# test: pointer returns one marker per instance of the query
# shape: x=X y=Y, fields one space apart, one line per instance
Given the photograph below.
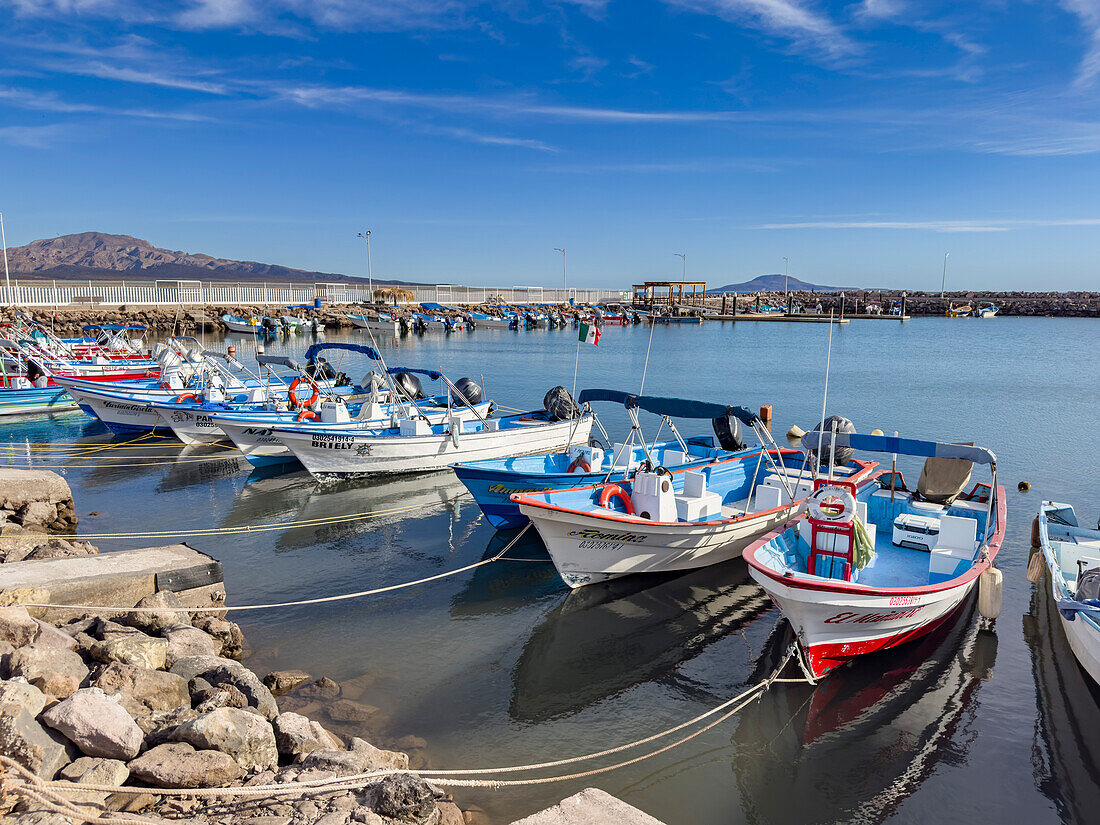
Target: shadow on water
x=874 y=731
x=605 y=639
x=1065 y=755
x=525 y=574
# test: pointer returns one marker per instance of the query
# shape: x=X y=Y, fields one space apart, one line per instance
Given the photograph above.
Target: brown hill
x=99 y=255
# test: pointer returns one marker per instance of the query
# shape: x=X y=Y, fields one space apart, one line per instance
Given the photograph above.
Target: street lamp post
x=564 y=274
x=370 y=275
x=943 y=283
x=786 y=275
x=683 y=256
x=7 y=278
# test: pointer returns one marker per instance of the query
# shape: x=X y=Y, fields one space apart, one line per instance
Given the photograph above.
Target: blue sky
x=862 y=140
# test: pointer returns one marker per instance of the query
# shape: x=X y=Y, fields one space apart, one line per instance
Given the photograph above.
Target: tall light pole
x=683 y=256
x=564 y=279
x=786 y=276
x=943 y=283
x=370 y=275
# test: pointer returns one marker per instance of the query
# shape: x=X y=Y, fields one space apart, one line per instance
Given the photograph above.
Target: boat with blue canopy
x=1072 y=556
x=869 y=567
x=661 y=520
x=492 y=482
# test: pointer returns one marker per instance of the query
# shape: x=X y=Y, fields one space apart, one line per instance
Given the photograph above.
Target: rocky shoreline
x=158 y=696
x=194 y=319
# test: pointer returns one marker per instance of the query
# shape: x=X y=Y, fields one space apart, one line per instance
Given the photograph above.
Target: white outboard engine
x=334 y=412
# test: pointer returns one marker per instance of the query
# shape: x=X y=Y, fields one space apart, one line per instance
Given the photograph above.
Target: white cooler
x=916 y=532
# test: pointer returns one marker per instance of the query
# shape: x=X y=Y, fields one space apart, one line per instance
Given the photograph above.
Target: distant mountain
x=99 y=255
x=775 y=283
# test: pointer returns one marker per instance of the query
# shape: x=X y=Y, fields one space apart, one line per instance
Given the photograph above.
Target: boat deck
x=894 y=566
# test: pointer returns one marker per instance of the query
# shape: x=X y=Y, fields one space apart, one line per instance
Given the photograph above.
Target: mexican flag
x=590 y=334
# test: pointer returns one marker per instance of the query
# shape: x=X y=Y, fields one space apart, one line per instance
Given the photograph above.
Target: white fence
x=91 y=293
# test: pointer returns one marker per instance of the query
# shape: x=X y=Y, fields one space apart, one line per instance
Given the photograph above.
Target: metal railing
x=76 y=294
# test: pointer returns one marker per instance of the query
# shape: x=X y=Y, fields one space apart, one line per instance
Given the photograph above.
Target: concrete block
x=590 y=807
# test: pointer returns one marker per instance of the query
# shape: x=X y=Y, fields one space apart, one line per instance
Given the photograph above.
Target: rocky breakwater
x=149 y=700
x=1039 y=304
x=33 y=501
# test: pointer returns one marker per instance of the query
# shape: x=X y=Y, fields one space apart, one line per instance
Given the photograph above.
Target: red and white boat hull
x=835 y=626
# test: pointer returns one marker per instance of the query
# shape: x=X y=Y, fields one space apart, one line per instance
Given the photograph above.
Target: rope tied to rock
x=374 y=591
x=445 y=778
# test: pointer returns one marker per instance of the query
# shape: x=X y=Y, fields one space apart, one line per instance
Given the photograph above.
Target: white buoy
x=876 y=432
x=259 y=349
x=990 y=586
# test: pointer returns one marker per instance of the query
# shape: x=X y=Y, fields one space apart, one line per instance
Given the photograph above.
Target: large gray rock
x=159 y=725
x=31 y=745
x=88 y=770
x=50 y=636
x=159 y=621
x=55 y=671
x=247 y=682
x=143 y=689
x=244 y=735
x=227 y=633
x=16 y=626
x=185 y=641
x=295 y=735
x=362 y=757
x=61 y=549
x=405 y=798
x=280 y=681
x=132 y=649
x=18 y=488
x=22 y=694
x=36 y=514
x=178 y=765
x=191 y=666
x=97 y=724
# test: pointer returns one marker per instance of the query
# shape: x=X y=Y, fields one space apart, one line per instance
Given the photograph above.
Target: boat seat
x=674 y=458
x=696 y=502
x=926 y=508
x=955 y=546
x=768 y=497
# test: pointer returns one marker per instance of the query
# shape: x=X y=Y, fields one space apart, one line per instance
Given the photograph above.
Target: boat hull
x=15 y=401
x=834 y=626
x=337 y=453
x=375 y=325
x=1083 y=635
x=589 y=548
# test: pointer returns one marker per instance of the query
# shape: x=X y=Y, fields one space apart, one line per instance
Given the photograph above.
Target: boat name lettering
x=872 y=618
x=500 y=488
x=597 y=535
x=333 y=442
x=900 y=600
x=257 y=431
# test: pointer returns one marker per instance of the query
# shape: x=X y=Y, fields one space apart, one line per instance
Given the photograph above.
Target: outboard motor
x=470 y=321
x=267 y=325
x=843 y=454
x=409 y=384
x=560 y=404
x=320 y=370
x=470 y=389
x=728 y=430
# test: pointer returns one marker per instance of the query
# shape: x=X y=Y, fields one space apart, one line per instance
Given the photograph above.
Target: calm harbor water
x=503 y=665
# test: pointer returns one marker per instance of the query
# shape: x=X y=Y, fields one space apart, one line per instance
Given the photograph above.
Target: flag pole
x=645 y=366
x=576 y=365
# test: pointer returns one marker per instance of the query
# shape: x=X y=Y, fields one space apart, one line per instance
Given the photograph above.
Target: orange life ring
x=582 y=462
x=294 y=396
x=183 y=396
x=615 y=490
x=310 y=414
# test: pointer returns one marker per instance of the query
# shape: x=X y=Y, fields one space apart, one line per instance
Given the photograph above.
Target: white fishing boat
x=663 y=520
x=867 y=569
x=416 y=446
x=384 y=323
x=1072 y=555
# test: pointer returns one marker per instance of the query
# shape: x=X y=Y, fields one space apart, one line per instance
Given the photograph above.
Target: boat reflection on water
x=1066 y=748
x=874 y=730
x=523 y=576
x=607 y=638
x=399 y=503
x=201 y=464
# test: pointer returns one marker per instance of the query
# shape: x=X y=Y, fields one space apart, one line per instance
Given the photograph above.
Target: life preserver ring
x=183 y=396
x=581 y=462
x=302 y=379
x=304 y=414
x=614 y=490
x=831 y=503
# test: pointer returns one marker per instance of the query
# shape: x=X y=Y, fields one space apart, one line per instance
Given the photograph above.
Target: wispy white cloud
x=51 y=102
x=880 y=9
x=126 y=74
x=1088 y=12
x=938 y=226
x=33 y=137
x=794 y=20
x=473 y=136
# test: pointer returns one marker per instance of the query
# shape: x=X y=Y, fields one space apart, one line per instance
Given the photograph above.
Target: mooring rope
x=441 y=777
x=320 y=521
x=92 y=608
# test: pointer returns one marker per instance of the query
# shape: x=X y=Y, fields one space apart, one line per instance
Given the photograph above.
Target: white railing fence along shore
x=78 y=294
